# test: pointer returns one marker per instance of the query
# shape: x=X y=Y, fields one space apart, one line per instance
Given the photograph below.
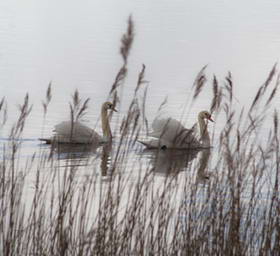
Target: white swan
x=170 y=133
x=77 y=133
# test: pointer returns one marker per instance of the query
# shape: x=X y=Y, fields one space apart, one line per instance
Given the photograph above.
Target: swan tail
x=47 y=141
x=151 y=144
x=145 y=143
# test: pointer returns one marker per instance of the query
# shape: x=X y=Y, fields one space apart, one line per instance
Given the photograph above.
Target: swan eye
x=207 y=115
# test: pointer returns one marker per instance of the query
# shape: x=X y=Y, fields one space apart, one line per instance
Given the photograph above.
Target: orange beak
x=210 y=119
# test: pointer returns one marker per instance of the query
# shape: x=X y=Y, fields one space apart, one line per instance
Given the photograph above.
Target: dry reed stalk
x=4 y=110
x=24 y=111
x=48 y=98
x=126 y=44
x=217 y=96
x=274 y=91
x=199 y=82
x=263 y=88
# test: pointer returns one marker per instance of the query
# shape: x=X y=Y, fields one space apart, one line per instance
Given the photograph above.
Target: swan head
x=108 y=105
x=205 y=115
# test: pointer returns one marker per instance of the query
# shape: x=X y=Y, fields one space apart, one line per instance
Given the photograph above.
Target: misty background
x=75 y=44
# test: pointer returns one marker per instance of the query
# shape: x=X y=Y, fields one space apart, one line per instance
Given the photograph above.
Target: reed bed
x=117 y=204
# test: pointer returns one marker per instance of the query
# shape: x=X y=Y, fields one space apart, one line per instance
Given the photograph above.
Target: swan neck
x=204 y=135
x=106 y=125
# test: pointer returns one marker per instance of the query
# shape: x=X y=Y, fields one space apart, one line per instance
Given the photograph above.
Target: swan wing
x=172 y=132
x=168 y=128
x=76 y=132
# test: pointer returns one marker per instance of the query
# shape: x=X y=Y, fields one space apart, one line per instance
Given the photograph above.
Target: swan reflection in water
x=165 y=162
x=79 y=152
x=172 y=161
x=105 y=159
x=83 y=152
x=202 y=175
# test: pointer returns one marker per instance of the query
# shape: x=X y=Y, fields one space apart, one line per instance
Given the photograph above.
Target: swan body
x=80 y=134
x=77 y=133
x=170 y=133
